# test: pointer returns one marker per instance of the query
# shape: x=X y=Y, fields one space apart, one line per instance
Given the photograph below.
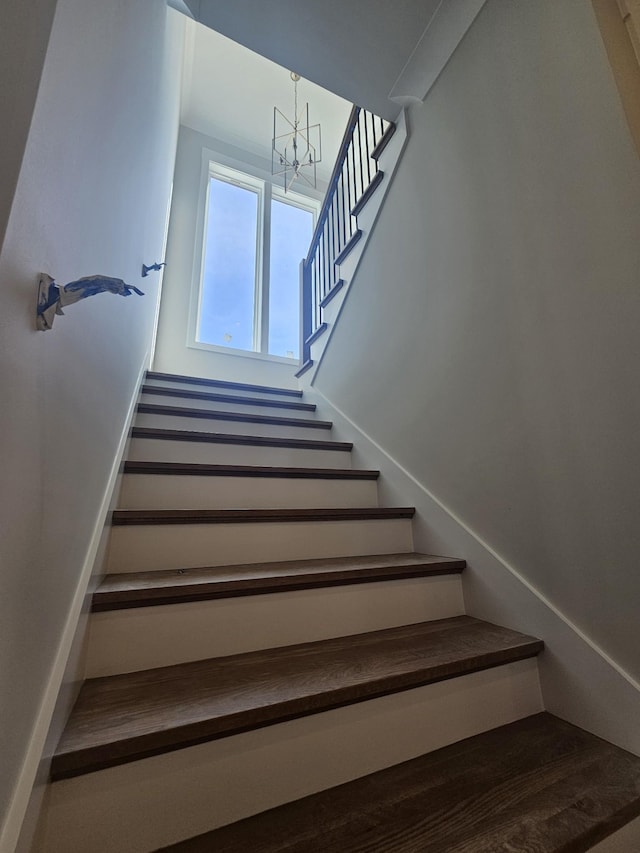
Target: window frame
x=215 y=165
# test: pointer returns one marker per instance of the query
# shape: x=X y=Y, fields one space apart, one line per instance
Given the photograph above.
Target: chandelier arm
x=290 y=168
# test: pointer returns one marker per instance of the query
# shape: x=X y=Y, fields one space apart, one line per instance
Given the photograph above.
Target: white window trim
x=214 y=164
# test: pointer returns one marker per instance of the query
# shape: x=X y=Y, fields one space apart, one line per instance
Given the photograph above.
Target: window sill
x=243 y=353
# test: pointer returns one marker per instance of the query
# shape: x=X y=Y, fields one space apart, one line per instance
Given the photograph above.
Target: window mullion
x=263 y=295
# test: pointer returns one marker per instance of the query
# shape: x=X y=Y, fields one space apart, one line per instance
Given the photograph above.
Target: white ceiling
x=356 y=48
x=229 y=93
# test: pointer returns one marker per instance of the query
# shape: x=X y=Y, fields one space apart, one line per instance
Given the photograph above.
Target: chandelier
x=296 y=146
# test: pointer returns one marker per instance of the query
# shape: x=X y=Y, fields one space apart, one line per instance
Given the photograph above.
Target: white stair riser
x=159 y=450
x=164 y=799
x=140 y=548
x=625 y=840
x=149 y=637
x=170 y=491
x=215 y=389
x=233 y=427
x=245 y=408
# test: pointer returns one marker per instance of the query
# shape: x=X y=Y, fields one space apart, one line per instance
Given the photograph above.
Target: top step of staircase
x=153 y=375
x=538 y=784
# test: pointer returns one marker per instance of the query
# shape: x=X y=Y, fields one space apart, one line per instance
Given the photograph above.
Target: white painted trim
x=154 y=334
x=187 y=63
x=485 y=545
x=243 y=353
x=198 y=248
x=10 y=831
x=580 y=681
x=436 y=46
x=625 y=840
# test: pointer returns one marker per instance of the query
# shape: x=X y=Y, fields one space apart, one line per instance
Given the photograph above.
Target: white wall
x=91 y=198
x=496 y=313
x=24 y=34
x=173 y=354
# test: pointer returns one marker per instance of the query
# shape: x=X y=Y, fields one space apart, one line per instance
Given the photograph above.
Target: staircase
x=267 y=639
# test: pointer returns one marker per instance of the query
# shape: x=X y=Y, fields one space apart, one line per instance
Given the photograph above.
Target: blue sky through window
x=228 y=285
x=291 y=231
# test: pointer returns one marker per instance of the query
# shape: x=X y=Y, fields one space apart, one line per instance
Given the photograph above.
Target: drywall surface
x=489 y=342
x=364 y=45
x=24 y=34
x=91 y=198
x=173 y=353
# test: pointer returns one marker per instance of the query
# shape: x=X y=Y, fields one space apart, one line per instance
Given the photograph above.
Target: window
x=248 y=294
x=228 y=298
x=291 y=232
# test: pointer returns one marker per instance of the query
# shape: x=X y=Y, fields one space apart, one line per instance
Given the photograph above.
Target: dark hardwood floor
x=538 y=785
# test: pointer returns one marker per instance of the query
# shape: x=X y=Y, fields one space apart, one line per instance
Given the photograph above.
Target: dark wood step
x=227 y=398
x=366 y=195
x=349 y=247
x=229 y=438
x=220 y=383
x=123 y=718
x=308 y=364
x=384 y=141
x=145 y=589
x=539 y=784
x=198 y=469
x=333 y=292
x=322 y=328
x=241 y=516
x=206 y=414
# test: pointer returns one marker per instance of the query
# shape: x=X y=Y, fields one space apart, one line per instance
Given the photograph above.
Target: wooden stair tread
x=349 y=247
x=210 y=414
x=143 y=589
x=227 y=398
x=204 y=469
x=240 y=516
x=383 y=142
x=364 y=198
x=221 y=383
x=126 y=717
x=230 y=438
x=539 y=784
x=307 y=365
